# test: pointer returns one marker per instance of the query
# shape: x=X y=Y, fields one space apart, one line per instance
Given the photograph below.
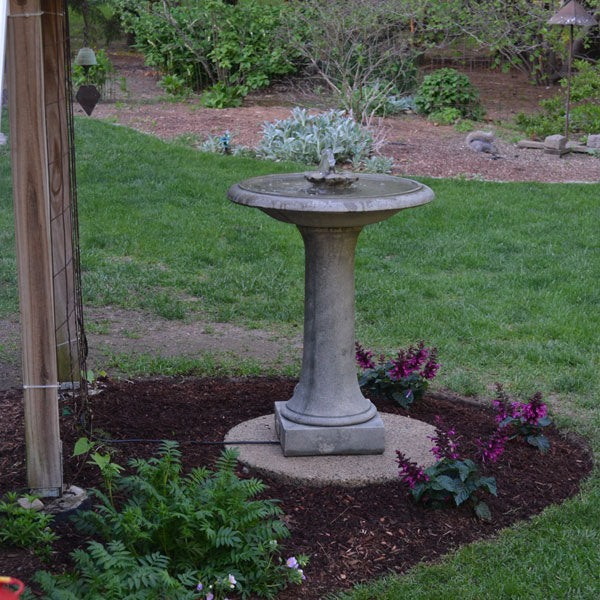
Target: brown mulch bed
x=351 y=534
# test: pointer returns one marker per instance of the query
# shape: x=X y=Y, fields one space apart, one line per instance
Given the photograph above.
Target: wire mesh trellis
x=70 y=331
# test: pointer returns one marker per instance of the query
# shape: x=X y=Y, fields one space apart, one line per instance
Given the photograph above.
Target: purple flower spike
x=363 y=357
x=491 y=450
x=410 y=471
x=445 y=446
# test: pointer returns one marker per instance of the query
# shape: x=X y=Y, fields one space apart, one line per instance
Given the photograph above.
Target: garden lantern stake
x=571 y=14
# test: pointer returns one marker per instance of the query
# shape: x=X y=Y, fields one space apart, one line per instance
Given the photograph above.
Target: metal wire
x=71 y=265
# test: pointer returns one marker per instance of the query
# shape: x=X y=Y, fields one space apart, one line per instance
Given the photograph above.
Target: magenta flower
x=535 y=409
x=364 y=357
x=491 y=450
x=410 y=471
x=445 y=446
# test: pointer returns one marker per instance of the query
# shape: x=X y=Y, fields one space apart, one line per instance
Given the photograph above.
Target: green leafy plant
x=584 y=114
x=303 y=137
x=24 y=527
x=223 y=144
x=465 y=125
x=404 y=378
x=447 y=88
x=221 y=95
x=112 y=572
x=232 y=44
x=206 y=520
x=445 y=116
x=378 y=164
x=450 y=479
x=175 y=86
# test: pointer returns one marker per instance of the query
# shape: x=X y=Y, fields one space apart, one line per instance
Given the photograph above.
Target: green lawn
x=501 y=277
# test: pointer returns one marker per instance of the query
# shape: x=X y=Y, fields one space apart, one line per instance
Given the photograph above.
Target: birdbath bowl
x=327 y=413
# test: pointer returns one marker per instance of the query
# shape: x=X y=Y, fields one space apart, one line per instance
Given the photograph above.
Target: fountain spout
x=327 y=177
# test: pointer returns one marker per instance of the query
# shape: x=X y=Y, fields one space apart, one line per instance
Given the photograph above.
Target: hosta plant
x=403 y=378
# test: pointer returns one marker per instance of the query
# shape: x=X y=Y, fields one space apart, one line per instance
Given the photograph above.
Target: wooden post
x=61 y=225
x=31 y=196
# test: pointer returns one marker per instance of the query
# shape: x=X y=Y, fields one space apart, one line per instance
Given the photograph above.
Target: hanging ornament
x=88 y=94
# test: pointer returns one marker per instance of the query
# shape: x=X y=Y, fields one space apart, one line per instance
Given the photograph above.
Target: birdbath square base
x=309 y=440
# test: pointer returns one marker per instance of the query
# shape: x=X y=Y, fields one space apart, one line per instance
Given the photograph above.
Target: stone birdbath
x=327 y=413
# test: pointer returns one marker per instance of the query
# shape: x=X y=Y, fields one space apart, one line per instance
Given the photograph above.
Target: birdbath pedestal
x=327 y=413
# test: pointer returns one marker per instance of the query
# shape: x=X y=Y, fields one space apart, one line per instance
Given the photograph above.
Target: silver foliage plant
x=303 y=137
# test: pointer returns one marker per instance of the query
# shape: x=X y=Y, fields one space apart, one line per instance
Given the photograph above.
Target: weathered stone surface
x=25 y=503
x=408 y=435
x=575 y=147
x=530 y=144
x=593 y=141
x=76 y=491
x=73 y=499
x=309 y=440
x=555 y=142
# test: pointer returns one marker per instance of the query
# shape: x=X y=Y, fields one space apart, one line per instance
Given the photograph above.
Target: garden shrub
x=361 y=51
x=303 y=137
x=447 y=88
x=208 y=521
x=584 y=114
x=445 y=116
x=212 y=42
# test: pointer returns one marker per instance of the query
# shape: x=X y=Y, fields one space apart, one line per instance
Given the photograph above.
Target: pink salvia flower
x=445 y=446
x=410 y=472
x=491 y=450
x=364 y=357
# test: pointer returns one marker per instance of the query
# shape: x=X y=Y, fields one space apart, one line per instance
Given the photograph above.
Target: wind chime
x=88 y=94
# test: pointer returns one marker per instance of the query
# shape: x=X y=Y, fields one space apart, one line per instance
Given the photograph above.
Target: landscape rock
x=555 y=142
x=27 y=504
x=593 y=141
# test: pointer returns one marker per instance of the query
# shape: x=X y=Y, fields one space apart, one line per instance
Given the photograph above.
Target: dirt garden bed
x=351 y=534
x=419 y=148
